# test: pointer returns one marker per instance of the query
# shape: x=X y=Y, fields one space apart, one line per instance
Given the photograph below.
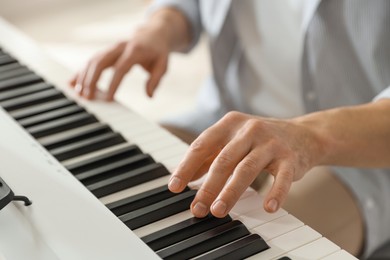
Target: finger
x=79 y=87
x=206 y=145
x=244 y=174
x=122 y=66
x=93 y=74
x=220 y=171
x=279 y=190
x=157 y=73
x=205 y=166
x=96 y=67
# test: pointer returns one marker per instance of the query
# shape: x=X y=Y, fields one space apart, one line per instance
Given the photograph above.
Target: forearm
x=357 y=136
x=174 y=26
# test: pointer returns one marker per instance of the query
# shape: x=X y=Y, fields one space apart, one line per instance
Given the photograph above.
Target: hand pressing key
x=238 y=148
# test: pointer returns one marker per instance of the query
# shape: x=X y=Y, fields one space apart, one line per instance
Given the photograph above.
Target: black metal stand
x=7 y=195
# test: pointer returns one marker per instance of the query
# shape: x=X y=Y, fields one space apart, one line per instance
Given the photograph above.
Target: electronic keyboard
x=97 y=175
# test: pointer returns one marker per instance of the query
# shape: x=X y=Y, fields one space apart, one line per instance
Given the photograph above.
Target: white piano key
x=247 y=204
x=278 y=227
x=162 y=155
x=145 y=137
x=164 y=223
x=135 y=190
x=314 y=250
x=259 y=217
x=128 y=118
x=133 y=128
x=153 y=144
x=148 y=139
x=340 y=255
x=287 y=242
x=93 y=154
x=172 y=162
x=103 y=109
x=64 y=133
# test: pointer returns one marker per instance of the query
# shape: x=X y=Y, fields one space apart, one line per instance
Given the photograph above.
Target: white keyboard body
x=67 y=222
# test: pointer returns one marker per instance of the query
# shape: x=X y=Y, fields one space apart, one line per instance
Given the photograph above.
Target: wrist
x=318 y=141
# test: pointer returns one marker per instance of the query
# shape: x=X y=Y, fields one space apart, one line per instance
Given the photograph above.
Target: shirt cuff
x=384 y=94
x=190 y=9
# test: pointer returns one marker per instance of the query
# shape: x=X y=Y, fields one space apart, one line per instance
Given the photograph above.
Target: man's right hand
x=167 y=30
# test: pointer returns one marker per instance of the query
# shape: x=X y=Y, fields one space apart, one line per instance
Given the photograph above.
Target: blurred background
x=71 y=31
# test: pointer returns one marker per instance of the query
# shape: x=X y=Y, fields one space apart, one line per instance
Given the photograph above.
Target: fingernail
x=219 y=207
x=200 y=209
x=273 y=205
x=174 y=184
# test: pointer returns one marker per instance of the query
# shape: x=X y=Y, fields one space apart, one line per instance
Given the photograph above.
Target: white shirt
x=271 y=33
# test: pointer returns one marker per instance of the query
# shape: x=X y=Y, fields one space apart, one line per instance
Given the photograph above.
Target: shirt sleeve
x=384 y=94
x=190 y=9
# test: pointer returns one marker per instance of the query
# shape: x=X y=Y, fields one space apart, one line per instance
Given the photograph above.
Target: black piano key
x=114 y=168
x=73 y=137
x=9 y=67
x=239 y=249
x=205 y=241
x=159 y=210
x=103 y=159
x=18 y=92
x=32 y=99
x=50 y=115
x=182 y=230
x=87 y=146
x=128 y=179
x=17 y=72
x=137 y=201
x=61 y=124
x=40 y=108
x=6 y=59
x=19 y=81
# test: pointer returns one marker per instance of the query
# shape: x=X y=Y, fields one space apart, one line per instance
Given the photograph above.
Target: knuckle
x=234 y=193
x=288 y=176
x=251 y=129
x=135 y=47
x=197 y=146
x=254 y=126
x=276 y=147
x=97 y=63
x=285 y=180
x=120 y=44
x=223 y=160
x=120 y=69
x=206 y=194
x=280 y=191
x=274 y=144
x=99 y=66
x=232 y=116
x=249 y=165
